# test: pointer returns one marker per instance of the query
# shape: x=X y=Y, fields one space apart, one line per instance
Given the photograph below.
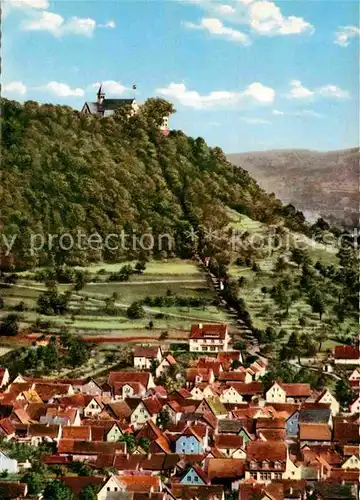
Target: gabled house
x=145 y=410
x=352 y=462
x=194 y=440
x=355 y=406
x=231 y=445
x=227 y=472
x=209 y=338
x=314 y=433
x=196 y=376
x=292 y=424
x=230 y=395
x=194 y=476
x=94 y=407
x=144 y=357
x=122 y=377
x=227 y=358
x=165 y=365
x=355 y=375
x=265 y=460
x=282 y=393
x=327 y=398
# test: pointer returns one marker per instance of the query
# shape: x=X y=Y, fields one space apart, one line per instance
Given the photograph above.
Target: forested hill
x=63 y=172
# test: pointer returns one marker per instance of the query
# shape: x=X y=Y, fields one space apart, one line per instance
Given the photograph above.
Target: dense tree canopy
x=68 y=173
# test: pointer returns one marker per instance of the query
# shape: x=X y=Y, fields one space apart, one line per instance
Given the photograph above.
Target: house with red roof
x=165 y=365
x=210 y=338
x=145 y=356
x=288 y=393
x=347 y=355
x=265 y=460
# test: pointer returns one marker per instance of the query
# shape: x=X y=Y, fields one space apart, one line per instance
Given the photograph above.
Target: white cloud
x=80 y=26
x=216 y=27
x=14 y=88
x=345 y=33
x=298 y=91
x=333 y=91
x=256 y=121
x=263 y=17
x=260 y=93
x=110 y=87
x=109 y=24
x=224 y=9
x=266 y=19
x=277 y=112
x=56 y=24
x=218 y=99
x=32 y=4
x=62 y=89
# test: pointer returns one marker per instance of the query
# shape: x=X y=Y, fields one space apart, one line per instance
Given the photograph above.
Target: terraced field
x=87 y=316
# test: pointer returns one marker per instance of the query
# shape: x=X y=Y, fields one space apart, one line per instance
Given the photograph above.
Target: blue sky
x=243 y=74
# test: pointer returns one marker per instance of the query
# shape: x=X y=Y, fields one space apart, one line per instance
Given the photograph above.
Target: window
x=115 y=489
x=196 y=479
x=108 y=488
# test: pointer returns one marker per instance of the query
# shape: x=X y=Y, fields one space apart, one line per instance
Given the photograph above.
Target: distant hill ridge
x=318 y=183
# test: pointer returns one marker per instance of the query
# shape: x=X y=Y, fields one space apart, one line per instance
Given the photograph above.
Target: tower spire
x=100 y=95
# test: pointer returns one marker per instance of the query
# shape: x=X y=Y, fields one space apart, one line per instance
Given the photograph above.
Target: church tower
x=100 y=95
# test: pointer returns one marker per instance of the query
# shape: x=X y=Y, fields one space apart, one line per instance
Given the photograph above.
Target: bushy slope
x=66 y=172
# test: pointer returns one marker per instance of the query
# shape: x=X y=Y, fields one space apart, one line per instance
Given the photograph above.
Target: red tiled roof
x=248 y=389
x=141 y=377
x=202 y=492
x=10 y=490
x=346 y=352
x=297 y=390
x=77 y=483
x=81 y=432
x=346 y=431
x=152 y=404
x=225 y=468
x=272 y=434
x=270 y=423
x=213 y=331
x=43 y=430
x=7 y=426
x=315 y=432
x=141 y=483
x=250 y=490
x=192 y=373
x=266 y=450
x=146 y=352
x=89 y=448
x=232 y=376
x=351 y=476
x=48 y=391
x=229 y=441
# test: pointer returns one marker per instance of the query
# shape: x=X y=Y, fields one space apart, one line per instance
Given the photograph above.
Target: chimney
x=200 y=326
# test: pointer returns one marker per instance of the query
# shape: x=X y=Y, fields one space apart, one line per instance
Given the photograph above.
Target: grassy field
x=87 y=317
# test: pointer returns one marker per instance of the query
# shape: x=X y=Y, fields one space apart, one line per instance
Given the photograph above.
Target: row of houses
x=223 y=434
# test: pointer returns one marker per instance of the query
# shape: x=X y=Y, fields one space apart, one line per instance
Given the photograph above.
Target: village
x=220 y=434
